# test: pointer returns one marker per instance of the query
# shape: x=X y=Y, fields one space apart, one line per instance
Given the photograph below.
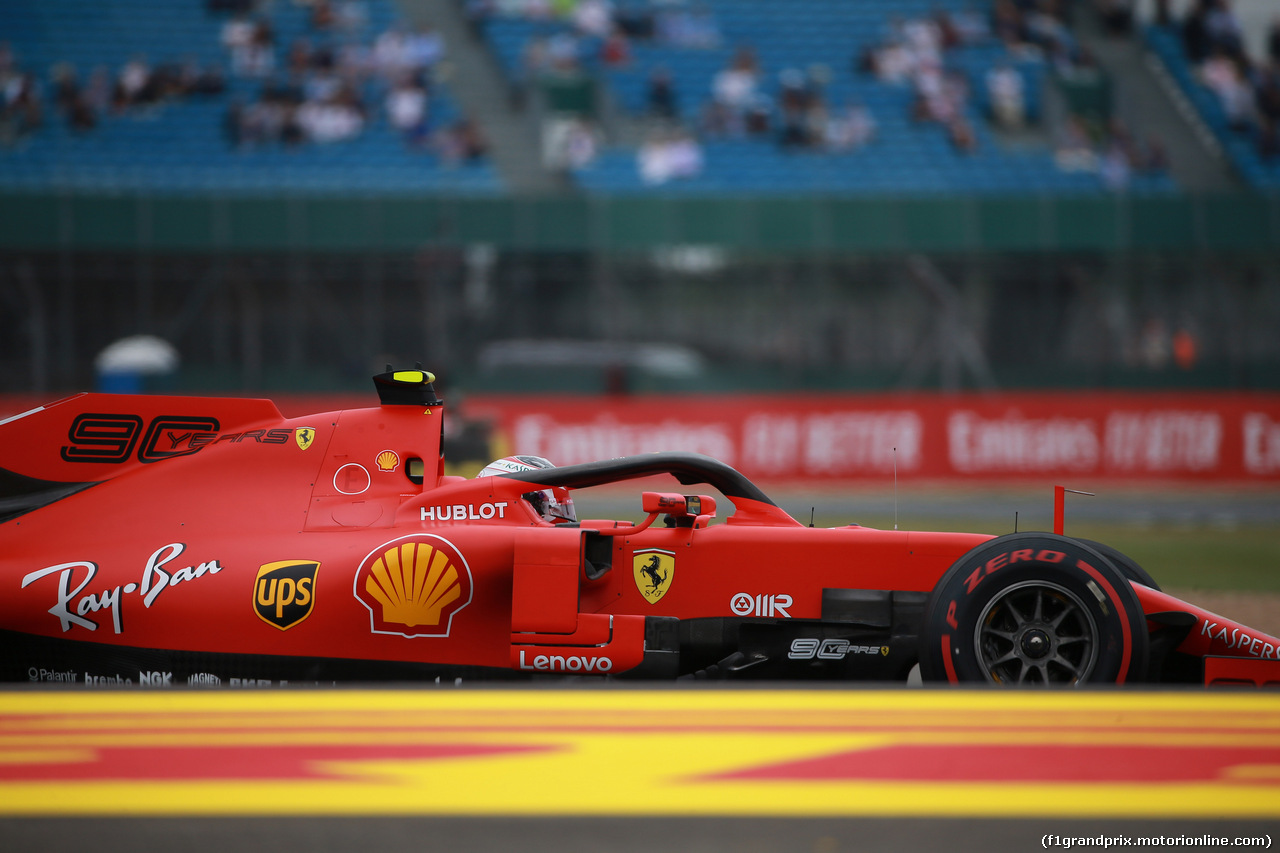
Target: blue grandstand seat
x=180 y=146
x=800 y=34
x=1241 y=146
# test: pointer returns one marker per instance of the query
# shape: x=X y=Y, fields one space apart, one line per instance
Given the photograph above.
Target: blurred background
x=641 y=195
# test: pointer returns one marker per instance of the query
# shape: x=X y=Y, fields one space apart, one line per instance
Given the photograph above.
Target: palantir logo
x=285 y=592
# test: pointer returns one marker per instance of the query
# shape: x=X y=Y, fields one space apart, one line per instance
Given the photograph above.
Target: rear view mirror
x=679 y=506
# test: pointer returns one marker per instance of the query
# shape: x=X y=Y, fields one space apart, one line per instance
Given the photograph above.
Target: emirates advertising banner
x=1207 y=437
x=1230 y=438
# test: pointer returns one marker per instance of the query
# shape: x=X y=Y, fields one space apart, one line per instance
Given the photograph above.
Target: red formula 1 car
x=181 y=540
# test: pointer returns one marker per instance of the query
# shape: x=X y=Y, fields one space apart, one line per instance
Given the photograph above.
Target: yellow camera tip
x=414 y=376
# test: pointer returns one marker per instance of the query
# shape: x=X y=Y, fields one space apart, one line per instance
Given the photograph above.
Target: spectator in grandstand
x=202 y=80
x=941 y=95
x=593 y=18
x=890 y=63
x=337 y=118
x=1226 y=75
x=1114 y=166
x=758 y=119
x=735 y=85
x=269 y=119
x=98 y=91
x=1117 y=15
x=322 y=85
x=922 y=38
x=1222 y=27
x=69 y=97
x=668 y=155
x=693 y=29
x=962 y=136
x=131 y=83
x=803 y=114
x=1046 y=28
x=462 y=142
x=968 y=26
x=390 y=52
x=1210 y=26
x=406 y=106
x=1273 y=42
x=534 y=63
x=542 y=57
x=563 y=54
x=298 y=58
x=1006 y=93
x=615 y=50
x=322 y=15
x=571 y=143
x=1007 y=23
x=794 y=104
x=351 y=16
x=850 y=128
x=717 y=120
x=251 y=44
x=21 y=111
x=424 y=48
x=1074 y=151
x=661 y=99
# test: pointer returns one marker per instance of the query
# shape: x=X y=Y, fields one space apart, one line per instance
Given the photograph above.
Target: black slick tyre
x=1126 y=564
x=1033 y=609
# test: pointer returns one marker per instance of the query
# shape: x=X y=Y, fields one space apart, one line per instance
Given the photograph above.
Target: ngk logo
x=746 y=604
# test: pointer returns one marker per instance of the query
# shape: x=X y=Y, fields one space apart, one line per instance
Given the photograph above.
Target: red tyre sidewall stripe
x=946 y=659
x=1121 y=611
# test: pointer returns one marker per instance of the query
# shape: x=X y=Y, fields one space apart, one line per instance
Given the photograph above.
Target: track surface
x=630 y=769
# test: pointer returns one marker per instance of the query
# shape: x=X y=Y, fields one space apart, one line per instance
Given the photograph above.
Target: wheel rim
x=1036 y=632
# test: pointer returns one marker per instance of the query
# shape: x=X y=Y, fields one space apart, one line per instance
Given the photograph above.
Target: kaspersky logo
x=285 y=592
x=414 y=586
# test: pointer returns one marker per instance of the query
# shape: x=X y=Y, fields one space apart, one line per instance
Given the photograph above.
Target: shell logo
x=414 y=586
x=388 y=460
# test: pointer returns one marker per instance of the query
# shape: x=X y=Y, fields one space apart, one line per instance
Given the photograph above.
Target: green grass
x=1242 y=557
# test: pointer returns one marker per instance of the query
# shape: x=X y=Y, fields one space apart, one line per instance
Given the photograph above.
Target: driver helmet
x=551 y=504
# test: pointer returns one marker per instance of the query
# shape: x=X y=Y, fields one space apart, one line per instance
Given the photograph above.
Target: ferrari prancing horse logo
x=653 y=569
x=304 y=436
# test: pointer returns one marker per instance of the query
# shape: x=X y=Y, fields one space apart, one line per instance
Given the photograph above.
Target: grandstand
x=906 y=155
x=274 y=262
x=181 y=144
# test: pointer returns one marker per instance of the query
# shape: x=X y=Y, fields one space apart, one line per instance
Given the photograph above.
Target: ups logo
x=284 y=592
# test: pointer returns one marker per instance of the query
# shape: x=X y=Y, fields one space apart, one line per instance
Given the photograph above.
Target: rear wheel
x=1033 y=609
